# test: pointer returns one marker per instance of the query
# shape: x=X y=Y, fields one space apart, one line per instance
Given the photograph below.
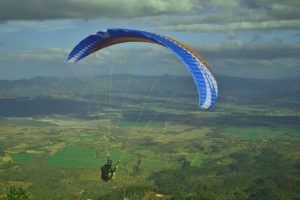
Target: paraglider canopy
x=206 y=84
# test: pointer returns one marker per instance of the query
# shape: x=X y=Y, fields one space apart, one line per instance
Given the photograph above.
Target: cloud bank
x=89 y=9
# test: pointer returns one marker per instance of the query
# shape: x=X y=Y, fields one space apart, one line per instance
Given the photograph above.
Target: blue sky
x=246 y=38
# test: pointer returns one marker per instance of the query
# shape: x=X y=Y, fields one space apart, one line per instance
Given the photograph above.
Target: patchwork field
x=169 y=148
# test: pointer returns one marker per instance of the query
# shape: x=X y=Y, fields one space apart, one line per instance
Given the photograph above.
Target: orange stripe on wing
x=123 y=39
x=192 y=51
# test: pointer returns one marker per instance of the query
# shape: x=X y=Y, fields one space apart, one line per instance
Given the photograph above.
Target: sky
x=243 y=38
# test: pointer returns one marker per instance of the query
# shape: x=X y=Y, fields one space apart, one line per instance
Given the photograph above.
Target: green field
x=21 y=158
x=139 y=124
x=196 y=159
x=75 y=156
x=79 y=156
x=252 y=133
x=119 y=154
x=153 y=162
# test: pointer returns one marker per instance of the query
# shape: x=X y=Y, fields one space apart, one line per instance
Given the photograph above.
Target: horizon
x=150 y=75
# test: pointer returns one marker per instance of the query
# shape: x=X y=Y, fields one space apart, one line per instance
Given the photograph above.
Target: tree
x=17 y=193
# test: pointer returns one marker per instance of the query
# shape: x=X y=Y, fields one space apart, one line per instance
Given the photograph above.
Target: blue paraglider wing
x=204 y=80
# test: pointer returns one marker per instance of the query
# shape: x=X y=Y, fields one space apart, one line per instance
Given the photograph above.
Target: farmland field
x=53 y=146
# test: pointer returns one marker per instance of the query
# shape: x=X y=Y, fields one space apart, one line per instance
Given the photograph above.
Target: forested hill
x=160 y=85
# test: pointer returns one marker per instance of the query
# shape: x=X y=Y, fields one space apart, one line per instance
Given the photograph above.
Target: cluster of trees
x=17 y=193
x=263 y=174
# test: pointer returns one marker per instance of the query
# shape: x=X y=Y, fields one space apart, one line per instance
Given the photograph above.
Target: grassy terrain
x=168 y=148
x=252 y=133
x=75 y=156
x=153 y=162
x=120 y=154
x=258 y=133
x=133 y=124
x=20 y=158
x=196 y=159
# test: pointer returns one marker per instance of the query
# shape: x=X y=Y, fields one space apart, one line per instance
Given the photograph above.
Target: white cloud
x=252 y=68
x=251 y=60
x=35 y=55
x=87 y=9
x=183 y=15
x=236 y=26
x=38 y=26
x=221 y=3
